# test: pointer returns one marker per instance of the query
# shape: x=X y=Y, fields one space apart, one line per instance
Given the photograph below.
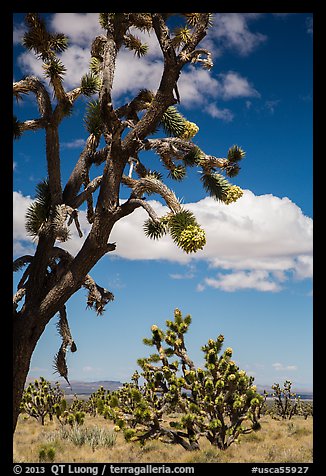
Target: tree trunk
x=31 y=320
x=23 y=348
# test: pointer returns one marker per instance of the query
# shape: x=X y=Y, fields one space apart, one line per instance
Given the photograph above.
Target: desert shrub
x=297 y=431
x=93 y=436
x=46 y=453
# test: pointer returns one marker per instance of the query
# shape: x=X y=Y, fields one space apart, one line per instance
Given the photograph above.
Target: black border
x=268 y=6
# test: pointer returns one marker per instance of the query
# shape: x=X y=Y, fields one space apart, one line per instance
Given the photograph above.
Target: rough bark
x=25 y=337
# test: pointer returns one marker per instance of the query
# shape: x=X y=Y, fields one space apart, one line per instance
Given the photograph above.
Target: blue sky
x=253 y=280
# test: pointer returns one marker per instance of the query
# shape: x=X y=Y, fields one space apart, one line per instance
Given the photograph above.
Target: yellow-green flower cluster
x=232 y=194
x=192 y=239
x=190 y=130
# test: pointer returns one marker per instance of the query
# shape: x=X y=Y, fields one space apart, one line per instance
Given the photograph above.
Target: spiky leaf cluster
x=179 y=222
x=134 y=44
x=40 y=215
x=215 y=185
x=194 y=18
x=173 y=122
x=142 y=21
x=231 y=169
x=219 y=402
x=176 y=125
x=218 y=187
x=44 y=44
x=39 y=210
x=117 y=22
x=177 y=172
x=143 y=99
x=183 y=228
x=17 y=132
x=93 y=122
x=104 y=20
x=95 y=65
x=235 y=154
x=193 y=157
x=54 y=69
x=155 y=229
x=90 y=84
x=182 y=35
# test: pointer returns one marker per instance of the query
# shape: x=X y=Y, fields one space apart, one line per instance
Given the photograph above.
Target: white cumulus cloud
x=258 y=242
x=22 y=243
x=232 y=85
x=80 y=28
x=231 y=31
x=255 y=279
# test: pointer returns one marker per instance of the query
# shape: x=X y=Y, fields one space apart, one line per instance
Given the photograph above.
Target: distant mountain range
x=86 y=388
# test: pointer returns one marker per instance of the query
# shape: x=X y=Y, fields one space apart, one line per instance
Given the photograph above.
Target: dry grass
x=276 y=442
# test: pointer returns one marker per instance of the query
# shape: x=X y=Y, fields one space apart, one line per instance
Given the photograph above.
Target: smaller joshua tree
x=218 y=402
x=286 y=403
x=41 y=399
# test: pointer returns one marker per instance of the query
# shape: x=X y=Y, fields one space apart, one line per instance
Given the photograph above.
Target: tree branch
x=33 y=84
x=18 y=296
x=109 y=118
x=178 y=148
x=130 y=205
x=153 y=185
x=198 y=34
x=195 y=57
x=98 y=297
x=21 y=261
x=79 y=172
x=24 y=277
x=164 y=96
x=74 y=94
x=90 y=188
x=32 y=124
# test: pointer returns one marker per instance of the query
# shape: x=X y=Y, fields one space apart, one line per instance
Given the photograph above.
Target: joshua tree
x=53 y=275
x=286 y=403
x=41 y=399
x=219 y=402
